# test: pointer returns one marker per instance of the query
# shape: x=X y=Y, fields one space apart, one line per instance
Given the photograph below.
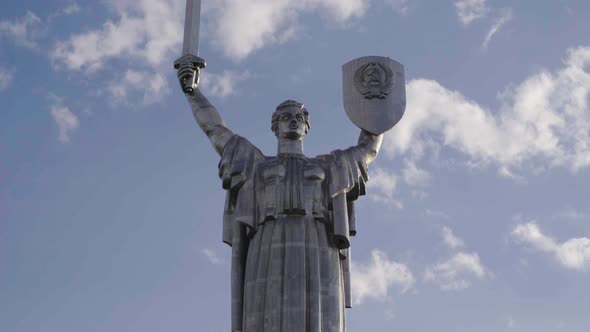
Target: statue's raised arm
x=206 y=115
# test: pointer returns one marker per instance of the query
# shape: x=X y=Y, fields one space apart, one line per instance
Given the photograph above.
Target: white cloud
x=28 y=30
x=25 y=31
x=457 y=272
x=572 y=214
x=511 y=324
x=212 y=256
x=151 y=85
x=6 y=76
x=470 y=10
x=242 y=27
x=437 y=214
x=222 y=85
x=400 y=6
x=573 y=253
x=384 y=185
x=419 y=194
x=66 y=121
x=375 y=279
x=451 y=239
x=70 y=9
x=543 y=120
x=151 y=30
x=145 y=35
x=531 y=234
x=499 y=23
x=144 y=31
x=414 y=176
x=505 y=172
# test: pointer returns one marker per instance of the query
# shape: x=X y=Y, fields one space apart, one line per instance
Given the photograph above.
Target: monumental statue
x=288 y=218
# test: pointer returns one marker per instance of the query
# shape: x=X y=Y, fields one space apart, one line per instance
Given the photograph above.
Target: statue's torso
x=293 y=272
x=288 y=269
x=291 y=185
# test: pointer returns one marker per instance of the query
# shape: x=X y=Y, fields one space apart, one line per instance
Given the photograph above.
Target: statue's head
x=290 y=120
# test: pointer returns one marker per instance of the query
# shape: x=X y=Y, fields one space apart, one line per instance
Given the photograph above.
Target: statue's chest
x=290 y=185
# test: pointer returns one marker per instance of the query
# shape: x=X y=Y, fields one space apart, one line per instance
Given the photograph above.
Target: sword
x=190 y=46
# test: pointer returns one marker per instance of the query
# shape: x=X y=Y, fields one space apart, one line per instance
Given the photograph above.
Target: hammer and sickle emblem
x=374 y=80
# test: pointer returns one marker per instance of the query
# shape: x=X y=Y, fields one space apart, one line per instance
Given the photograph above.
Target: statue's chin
x=295 y=136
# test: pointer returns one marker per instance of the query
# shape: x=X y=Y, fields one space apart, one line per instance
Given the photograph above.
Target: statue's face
x=292 y=124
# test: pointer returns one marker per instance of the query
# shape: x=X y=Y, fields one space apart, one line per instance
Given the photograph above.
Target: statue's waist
x=272 y=212
x=293 y=197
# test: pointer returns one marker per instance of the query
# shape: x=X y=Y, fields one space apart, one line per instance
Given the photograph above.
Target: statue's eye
x=299 y=118
x=285 y=116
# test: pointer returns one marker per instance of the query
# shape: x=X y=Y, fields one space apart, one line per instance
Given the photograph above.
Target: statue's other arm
x=369 y=145
x=204 y=112
x=209 y=120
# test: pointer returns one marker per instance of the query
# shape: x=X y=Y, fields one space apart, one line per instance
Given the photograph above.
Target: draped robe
x=288 y=219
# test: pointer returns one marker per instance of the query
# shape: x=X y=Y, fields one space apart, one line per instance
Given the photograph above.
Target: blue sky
x=476 y=218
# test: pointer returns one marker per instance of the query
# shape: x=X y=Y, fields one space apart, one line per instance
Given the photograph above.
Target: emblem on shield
x=374 y=80
x=374 y=93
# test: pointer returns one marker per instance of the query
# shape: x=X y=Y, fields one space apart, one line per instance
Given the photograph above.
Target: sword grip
x=196 y=62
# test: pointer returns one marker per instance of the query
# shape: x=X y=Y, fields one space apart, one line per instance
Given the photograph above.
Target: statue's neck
x=290 y=146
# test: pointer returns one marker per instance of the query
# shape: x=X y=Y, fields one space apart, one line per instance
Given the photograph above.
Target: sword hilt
x=197 y=62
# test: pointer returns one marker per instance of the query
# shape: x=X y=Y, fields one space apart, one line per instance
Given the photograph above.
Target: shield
x=374 y=93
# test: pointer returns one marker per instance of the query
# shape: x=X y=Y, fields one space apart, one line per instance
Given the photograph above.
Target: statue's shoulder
x=239 y=147
x=323 y=158
x=238 y=159
x=267 y=161
x=346 y=167
x=337 y=155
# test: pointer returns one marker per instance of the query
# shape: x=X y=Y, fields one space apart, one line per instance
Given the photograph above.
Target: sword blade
x=192 y=26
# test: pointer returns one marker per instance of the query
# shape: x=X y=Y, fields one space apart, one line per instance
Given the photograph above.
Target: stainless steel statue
x=289 y=218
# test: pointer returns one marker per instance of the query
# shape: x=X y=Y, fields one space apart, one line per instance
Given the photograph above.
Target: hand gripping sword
x=190 y=46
